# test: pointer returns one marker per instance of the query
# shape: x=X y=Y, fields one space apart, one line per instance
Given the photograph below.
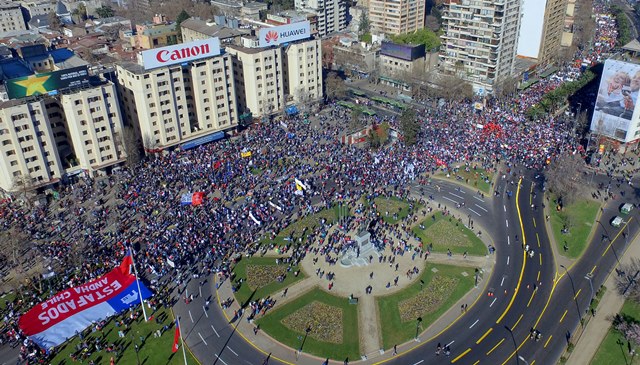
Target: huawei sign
x=179 y=53
x=271 y=36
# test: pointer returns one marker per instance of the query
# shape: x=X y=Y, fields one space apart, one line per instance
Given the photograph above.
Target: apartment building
x=480 y=40
x=158 y=33
x=196 y=29
x=331 y=14
x=38 y=7
x=268 y=79
x=181 y=102
x=11 y=19
x=396 y=16
x=541 y=31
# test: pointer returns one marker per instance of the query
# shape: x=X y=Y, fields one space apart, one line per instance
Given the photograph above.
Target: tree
x=355 y=122
x=564 y=176
x=624 y=283
x=11 y=242
x=422 y=36
x=54 y=22
x=335 y=88
x=363 y=25
x=24 y=185
x=129 y=143
x=79 y=13
x=105 y=11
x=409 y=126
x=181 y=18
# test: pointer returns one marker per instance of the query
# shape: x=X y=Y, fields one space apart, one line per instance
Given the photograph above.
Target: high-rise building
x=192 y=97
x=11 y=19
x=541 y=30
x=479 y=40
x=397 y=16
x=332 y=14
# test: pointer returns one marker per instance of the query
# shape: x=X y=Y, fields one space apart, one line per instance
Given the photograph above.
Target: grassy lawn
x=476 y=178
x=580 y=217
x=308 y=223
x=6 y=298
x=609 y=351
x=445 y=234
x=264 y=271
x=396 y=331
x=153 y=351
x=272 y=323
x=392 y=205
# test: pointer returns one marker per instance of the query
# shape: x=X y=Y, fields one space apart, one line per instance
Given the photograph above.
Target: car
x=626 y=208
x=617 y=221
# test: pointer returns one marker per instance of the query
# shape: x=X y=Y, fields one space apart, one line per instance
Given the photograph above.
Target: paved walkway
x=609 y=306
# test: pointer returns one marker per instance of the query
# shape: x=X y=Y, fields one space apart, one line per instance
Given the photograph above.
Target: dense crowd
x=84 y=233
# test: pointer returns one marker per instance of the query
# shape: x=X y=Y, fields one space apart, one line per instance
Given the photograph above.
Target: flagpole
x=144 y=312
x=184 y=354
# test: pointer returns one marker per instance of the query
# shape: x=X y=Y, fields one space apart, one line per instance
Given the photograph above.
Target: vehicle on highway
x=617 y=222
x=626 y=208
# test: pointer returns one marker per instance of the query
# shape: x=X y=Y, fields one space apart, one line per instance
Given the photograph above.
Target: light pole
x=606 y=235
x=418 y=322
x=514 y=344
x=575 y=299
x=588 y=277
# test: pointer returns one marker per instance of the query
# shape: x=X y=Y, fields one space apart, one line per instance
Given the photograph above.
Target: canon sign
x=284 y=33
x=180 y=53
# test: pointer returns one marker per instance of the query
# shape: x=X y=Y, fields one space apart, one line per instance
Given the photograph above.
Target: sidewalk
x=610 y=305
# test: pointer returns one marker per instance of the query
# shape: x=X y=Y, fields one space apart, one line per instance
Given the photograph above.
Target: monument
x=359 y=254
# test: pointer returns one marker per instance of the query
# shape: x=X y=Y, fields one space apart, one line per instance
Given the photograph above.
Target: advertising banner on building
x=179 y=53
x=47 y=82
x=70 y=311
x=285 y=33
x=617 y=99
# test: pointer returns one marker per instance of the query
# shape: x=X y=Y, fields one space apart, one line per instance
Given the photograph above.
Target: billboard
x=617 y=98
x=284 y=33
x=180 y=53
x=47 y=82
x=403 y=51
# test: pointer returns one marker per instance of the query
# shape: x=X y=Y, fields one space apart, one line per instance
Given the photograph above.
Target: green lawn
x=6 y=298
x=153 y=350
x=395 y=331
x=580 y=218
x=272 y=323
x=609 y=351
x=477 y=178
x=447 y=233
x=392 y=205
x=270 y=286
x=309 y=223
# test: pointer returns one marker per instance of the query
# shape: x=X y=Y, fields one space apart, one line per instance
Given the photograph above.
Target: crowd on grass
x=250 y=200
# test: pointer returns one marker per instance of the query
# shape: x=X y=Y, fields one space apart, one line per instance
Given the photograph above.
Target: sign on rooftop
x=284 y=33
x=47 y=82
x=180 y=53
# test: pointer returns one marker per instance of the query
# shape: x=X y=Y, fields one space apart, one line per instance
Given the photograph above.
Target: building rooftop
x=9 y=5
x=633 y=46
x=255 y=5
x=213 y=30
x=12 y=68
x=227 y=3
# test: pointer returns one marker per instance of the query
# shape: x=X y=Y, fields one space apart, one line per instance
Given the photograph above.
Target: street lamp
x=575 y=299
x=588 y=277
x=605 y=231
x=514 y=344
x=418 y=322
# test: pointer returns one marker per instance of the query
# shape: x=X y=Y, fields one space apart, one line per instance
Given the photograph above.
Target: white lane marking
x=479 y=199
x=504 y=207
x=479 y=215
x=502 y=281
x=508 y=240
x=474 y=323
x=456 y=195
x=449 y=344
x=230 y=349
x=190 y=316
x=507 y=260
x=493 y=301
x=202 y=338
x=481 y=207
x=419 y=362
x=221 y=359
x=200 y=290
x=205 y=311
x=214 y=331
x=507 y=222
x=444 y=197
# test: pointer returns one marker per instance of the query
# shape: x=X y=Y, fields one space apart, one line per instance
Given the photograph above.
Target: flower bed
x=325 y=322
x=427 y=301
x=259 y=276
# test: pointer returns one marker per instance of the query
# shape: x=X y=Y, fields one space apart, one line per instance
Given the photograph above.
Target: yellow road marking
x=538 y=279
x=564 y=314
x=540 y=259
x=496 y=346
x=546 y=343
x=578 y=293
x=530 y=299
x=538 y=238
x=592 y=270
x=476 y=363
x=485 y=335
x=518 y=321
x=534 y=223
x=524 y=255
x=614 y=239
x=533 y=362
x=461 y=355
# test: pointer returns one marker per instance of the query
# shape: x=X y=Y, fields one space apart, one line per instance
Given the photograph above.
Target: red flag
x=127 y=262
x=176 y=338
